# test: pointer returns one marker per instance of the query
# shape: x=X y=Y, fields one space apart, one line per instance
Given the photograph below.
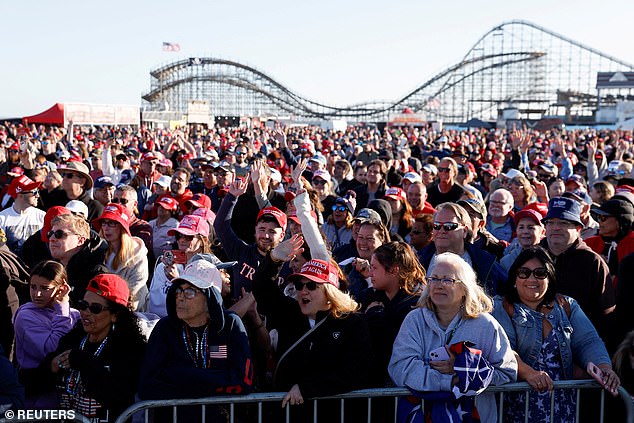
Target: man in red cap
x=270 y=229
x=23 y=218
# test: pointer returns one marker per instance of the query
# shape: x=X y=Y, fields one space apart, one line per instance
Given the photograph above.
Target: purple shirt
x=38 y=331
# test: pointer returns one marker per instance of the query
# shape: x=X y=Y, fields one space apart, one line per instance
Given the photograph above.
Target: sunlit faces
x=383 y=279
x=104 y=195
x=179 y=182
x=442 y=294
x=561 y=233
x=449 y=240
x=223 y=177
x=42 y=291
x=415 y=195
x=64 y=248
x=188 y=243
x=130 y=202
x=499 y=205
x=556 y=188
x=193 y=311
x=529 y=232
x=268 y=235
x=111 y=230
x=374 y=175
x=97 y=326
x=608 y=226
x=361 y=175
x=368 y=240
x=312 y=302
x=531 y=289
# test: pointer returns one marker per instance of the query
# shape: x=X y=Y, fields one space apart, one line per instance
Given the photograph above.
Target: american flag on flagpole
x=171 y=46
x=218 y=351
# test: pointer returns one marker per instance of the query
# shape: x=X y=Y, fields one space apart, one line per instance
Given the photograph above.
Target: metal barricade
x=369 y=395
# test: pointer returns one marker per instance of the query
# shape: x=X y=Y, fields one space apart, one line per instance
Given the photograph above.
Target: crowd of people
x=148 y=264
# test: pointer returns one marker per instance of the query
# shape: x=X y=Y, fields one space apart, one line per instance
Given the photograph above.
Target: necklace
x=74 y=387
x=198 y=350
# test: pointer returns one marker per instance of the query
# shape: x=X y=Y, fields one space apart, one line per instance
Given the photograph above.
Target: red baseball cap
x=16 y=171
x=191 y=225
x=276 y=213
x=536 y=211
x=148 y=157
x=318 y=271
x=22 y=184
x=115 y=212
x=295 y=219
x=110 y=287
x=52 y=213
x=396 y=193
x=167 y=203
x=200 y=200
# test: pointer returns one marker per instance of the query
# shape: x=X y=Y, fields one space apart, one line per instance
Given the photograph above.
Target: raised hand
x=296 y=172
x=287 y=250
x=239 y=187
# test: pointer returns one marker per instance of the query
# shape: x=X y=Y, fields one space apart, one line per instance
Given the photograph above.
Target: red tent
x=52 y=116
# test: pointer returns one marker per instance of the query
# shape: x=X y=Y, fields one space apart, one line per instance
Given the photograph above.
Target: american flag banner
x=217 y=351
x=171 y=46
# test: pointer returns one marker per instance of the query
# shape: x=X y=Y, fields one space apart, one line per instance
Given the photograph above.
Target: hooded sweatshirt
x=169 y=371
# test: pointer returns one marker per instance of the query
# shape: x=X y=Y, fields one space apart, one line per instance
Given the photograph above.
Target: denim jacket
x=578 y=340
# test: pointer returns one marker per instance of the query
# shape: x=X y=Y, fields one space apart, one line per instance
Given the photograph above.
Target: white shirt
x=162 y=241
x=19 y=226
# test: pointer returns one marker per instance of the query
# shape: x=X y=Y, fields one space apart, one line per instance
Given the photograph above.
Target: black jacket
x=334 y=358
x=384 y=323
x=85 y=265
x=363 y=197
x=59 y=198
x=110 y=378
x=15 y=273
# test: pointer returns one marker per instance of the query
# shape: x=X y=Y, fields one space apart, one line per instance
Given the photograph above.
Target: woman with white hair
x=452 y=310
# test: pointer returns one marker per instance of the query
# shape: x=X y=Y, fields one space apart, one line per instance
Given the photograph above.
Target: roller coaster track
x=478 y=66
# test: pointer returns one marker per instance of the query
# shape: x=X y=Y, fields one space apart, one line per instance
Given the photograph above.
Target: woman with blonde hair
x=453 y=310
x=522 y=191
x=126 y=255
x=320 y=322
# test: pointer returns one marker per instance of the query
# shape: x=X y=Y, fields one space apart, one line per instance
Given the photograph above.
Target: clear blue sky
x=336 y=52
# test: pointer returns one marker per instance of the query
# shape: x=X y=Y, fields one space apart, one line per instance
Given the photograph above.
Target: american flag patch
x=218 y=351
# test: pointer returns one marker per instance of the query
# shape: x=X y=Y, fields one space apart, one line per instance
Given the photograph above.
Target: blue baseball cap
x=565 y=209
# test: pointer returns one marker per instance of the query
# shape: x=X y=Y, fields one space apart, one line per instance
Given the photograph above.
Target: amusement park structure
x=517 y=64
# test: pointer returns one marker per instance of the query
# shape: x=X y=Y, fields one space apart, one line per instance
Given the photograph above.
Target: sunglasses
x=186 y=237
x=600 y=217
x=188 y=293
x=239 y=153
x=339 y=208
x=444 y=169
x=448 y=226
x=34 y=192
x=319 y=182
x=58 y=234
x=122 y=201
x=94 y=308
x=525 y=273
x=109 y=223
x=299 y=286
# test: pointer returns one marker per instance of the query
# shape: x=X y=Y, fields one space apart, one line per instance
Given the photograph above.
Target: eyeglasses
x=241 y=153
x=94 y=308
x=319 y=182
x=525 y=273
x=122 y=201
x=58 y=234
x=448 y=226
x=444 y=281
x=185 y=237
x=35 y=193
x=299 y=286
x=444 y=169
x=188 y=293
x=339 y=208
x=109 y=223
